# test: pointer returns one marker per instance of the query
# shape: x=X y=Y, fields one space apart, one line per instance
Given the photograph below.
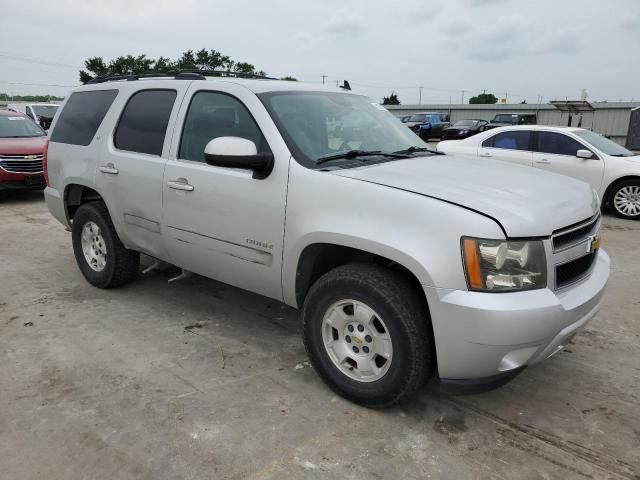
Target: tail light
x=45 y=154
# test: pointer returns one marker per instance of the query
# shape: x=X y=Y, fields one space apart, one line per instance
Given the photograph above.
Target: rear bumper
x=55 y=204
x=480 y=335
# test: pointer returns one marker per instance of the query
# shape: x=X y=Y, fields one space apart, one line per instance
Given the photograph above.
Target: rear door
x=221 y=222
x=511 y=145
x=556 y=152
x=129 y=172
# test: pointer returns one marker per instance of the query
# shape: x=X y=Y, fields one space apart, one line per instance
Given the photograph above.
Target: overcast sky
x=524 y=48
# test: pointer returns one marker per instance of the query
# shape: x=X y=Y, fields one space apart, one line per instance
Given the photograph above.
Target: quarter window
x=212 y=115
x=81 y=116
x=143 y=123
x=515 y=140
x=558 y=144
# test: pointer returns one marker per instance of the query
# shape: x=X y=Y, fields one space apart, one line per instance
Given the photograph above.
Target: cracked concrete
x=198 y=380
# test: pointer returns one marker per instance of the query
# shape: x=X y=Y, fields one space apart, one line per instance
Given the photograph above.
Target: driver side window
x=212 y=115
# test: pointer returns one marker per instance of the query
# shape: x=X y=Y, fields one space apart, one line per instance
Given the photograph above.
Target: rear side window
x=143 y=123
x=517 y=140
x=81 y=116
x=558 y=144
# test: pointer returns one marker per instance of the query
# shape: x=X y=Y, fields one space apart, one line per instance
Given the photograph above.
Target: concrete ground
x=197 y=380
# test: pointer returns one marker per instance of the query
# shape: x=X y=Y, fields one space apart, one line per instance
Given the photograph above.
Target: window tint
x=144 y=121
x=212 y=115
x=557 y=143
x=518 y=140
x=81 y=116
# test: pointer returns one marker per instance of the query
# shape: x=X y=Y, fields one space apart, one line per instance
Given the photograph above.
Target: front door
x=221 y=222
x=556 y=152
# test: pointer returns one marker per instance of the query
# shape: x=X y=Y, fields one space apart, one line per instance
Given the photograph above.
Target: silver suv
x=407 y=265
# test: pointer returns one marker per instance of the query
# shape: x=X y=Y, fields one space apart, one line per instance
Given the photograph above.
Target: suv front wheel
x=368 y=334
x=101 y=256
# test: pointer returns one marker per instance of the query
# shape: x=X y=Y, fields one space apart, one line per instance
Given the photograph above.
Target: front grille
x=573 y=271
x=22 y=163
x=572 y=235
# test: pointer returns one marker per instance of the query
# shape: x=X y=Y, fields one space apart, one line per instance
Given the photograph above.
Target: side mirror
x=584 y=153
x=236 y=152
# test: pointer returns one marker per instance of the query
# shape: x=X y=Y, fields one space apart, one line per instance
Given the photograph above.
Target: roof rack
x=183 y=74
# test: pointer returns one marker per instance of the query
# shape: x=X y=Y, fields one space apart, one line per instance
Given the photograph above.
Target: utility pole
x=323 y=77
x=420 y=97
x=462 y=97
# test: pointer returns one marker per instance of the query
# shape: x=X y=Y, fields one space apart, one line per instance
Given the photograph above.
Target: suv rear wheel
x=625 y=199
x=100 y=255
x=368 y=335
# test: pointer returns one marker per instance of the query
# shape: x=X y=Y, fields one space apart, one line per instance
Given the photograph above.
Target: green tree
x=290 y=78
x=483 y=99
x=391 y=99
x=190 y=60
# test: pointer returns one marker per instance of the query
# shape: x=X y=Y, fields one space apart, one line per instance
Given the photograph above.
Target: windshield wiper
x=357 y=153
x=414 y=149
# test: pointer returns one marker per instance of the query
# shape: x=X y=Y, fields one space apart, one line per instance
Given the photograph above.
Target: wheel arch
x=75 y=194
x=606 y=198
x=318 y=258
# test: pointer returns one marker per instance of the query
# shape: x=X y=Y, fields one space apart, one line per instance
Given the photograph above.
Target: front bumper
x=480 y=335
x=22 y=184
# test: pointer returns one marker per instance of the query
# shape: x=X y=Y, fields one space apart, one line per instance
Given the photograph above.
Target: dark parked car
x=23 y=147
x=463 y=129
x=508 y=119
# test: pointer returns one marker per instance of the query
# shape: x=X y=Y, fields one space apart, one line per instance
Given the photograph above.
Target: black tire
x=398 y=303
x=121 y=265
x=627 y=184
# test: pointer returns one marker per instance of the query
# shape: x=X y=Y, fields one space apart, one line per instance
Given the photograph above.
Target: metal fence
x=609 y=118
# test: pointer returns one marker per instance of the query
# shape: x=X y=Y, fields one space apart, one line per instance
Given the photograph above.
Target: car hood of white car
x=525 y=201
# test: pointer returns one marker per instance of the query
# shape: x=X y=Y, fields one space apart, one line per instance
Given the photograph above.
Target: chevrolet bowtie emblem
x=30 y=157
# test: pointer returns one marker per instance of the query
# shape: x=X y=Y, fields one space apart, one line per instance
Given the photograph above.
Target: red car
x=23 y=146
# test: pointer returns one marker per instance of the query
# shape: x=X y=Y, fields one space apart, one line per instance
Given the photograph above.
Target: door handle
x=109 y=168
x=181 y=184
x=543 y=161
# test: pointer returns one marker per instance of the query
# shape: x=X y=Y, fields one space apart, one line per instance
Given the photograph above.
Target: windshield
x=604 y=144
x=18 y=127
x=45 y=111
x=419 y=117
x=506 y=118
x=318 y=124
x=466 y=123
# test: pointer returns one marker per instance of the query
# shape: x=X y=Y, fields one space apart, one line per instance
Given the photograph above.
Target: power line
x=37 y=84
x=40 y=62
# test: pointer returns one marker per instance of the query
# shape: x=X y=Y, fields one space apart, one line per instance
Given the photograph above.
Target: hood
x=22 y=146
x=525 y=201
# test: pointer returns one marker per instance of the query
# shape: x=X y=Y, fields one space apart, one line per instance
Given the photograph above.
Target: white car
x=612 y=170
x=41 y=113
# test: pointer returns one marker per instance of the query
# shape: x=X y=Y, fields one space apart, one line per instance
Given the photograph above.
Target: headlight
x=504 y=265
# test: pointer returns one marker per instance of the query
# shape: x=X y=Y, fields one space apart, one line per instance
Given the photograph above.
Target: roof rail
x=182 y=74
